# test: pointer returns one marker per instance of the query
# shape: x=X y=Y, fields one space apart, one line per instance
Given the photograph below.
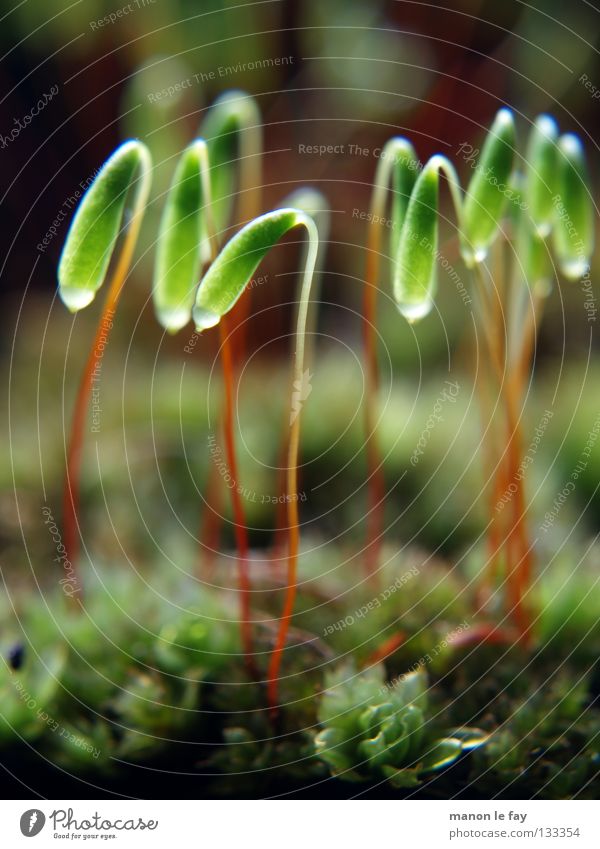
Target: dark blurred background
x=341 y=73
x=354 y=73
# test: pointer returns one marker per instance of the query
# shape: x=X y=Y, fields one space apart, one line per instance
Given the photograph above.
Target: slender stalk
x=521 y=346
x=221 y=287
x=516 y=389
x=281 y=511
x=292 y=474
x=292 y=570
x=71 y=489
x=312 y=203
x=249 y=193
x=516 y=548
x=228 y=418
x=498 y=486
x=521 y=559
x=375 y=478
x=387 y=648
x=241 y=532
x=492 y=321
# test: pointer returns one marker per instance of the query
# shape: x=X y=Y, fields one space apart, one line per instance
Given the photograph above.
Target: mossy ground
x=147 y=684
x=144 y=692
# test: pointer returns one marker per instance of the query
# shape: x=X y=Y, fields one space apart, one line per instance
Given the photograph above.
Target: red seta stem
x=71 y=490
x=518 y=556
x=235 y=345
x=241 y=532
x=292 y=571
x=375 y=479
x=75 y=444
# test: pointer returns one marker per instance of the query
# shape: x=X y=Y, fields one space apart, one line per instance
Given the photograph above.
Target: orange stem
x=375 y=479
x=75 y=445
x=387 y=648
x=497 y=472
x=519 y=539
x=71 y=488
x=521 y=561
x=249 y=208
x=241 y=532
x=494 y=533
x=517 y=555
x=281 y=512
x=292 y=569
x=485 y=632
x=492 y=321
x=529 y=335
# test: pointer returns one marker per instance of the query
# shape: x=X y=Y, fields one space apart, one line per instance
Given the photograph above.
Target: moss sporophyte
x=537 y=203
x=83 y=267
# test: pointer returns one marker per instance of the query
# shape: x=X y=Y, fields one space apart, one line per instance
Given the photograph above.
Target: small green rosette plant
x=373 y=731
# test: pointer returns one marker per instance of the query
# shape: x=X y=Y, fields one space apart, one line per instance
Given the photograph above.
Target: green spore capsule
x=541 y=173
x=179 y=243
x=95 y=228
x=573 y=210
x=232 y=129
x=487 y=196
x=404 y=176
x=230 y=273
x=415 y=277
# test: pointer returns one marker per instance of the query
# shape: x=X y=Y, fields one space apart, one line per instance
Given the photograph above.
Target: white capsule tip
x=75 y=298
x=204 y=319
x=414 y=311
x=173 y=318
x=574 y=269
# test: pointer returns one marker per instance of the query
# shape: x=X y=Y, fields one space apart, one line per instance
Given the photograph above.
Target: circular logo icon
x=32 y=822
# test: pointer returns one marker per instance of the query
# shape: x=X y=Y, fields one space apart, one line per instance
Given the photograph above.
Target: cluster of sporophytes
x=356 y=726
x=194 y=279
x=522 y=219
